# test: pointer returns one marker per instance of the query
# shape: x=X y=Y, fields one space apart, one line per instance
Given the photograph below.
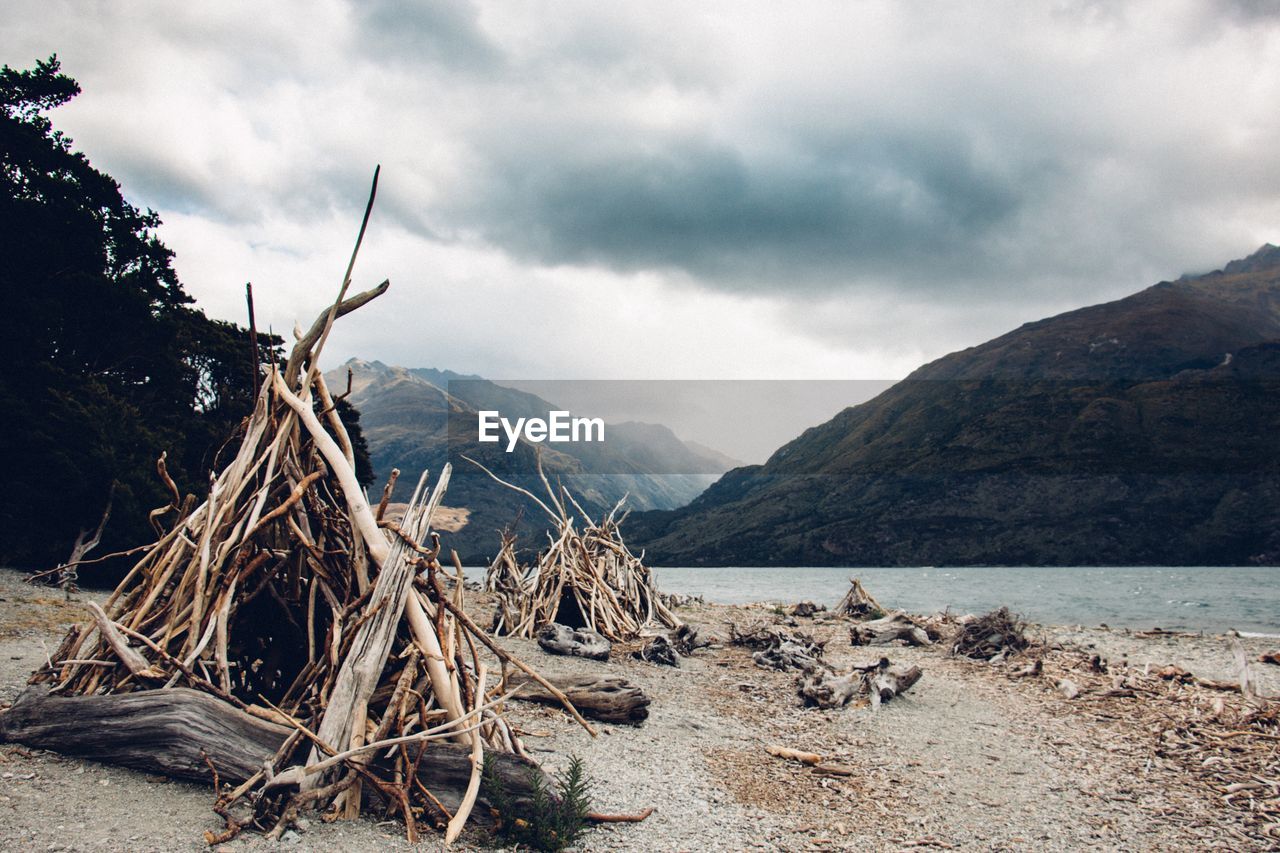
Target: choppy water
x=1192 y=599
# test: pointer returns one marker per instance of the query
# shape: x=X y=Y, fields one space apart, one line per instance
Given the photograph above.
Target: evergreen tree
x=104 y=360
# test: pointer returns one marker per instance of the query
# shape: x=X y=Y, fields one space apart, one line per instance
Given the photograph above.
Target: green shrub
x=554 y=819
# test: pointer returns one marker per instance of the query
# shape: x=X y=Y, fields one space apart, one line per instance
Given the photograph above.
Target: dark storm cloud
x=876 y=205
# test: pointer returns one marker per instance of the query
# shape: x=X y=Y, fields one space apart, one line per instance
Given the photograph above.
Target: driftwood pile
x=879 y=682
x=992 y=636
x=774 y=648
x=585 y=578
x=281 y=637
x=818 y=683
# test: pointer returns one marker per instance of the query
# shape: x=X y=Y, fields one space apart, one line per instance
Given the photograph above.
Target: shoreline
x=968 y=758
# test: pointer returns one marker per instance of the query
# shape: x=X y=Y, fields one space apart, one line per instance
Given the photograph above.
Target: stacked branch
x=585 y=578
x=858 y=603
x=287 y=601
x=992 y=636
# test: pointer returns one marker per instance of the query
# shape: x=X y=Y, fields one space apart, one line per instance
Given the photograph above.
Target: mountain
x=1141 y=431
x=417 y=419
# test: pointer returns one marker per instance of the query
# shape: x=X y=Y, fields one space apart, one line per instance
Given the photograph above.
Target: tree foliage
x=104 y=360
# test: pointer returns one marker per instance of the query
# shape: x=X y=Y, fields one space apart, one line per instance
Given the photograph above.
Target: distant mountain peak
x=1267 y=257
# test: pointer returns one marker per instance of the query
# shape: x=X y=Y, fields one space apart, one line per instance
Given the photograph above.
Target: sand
x=968 y=759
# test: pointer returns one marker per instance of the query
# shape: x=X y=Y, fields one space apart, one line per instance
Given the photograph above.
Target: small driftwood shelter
x=585 y=578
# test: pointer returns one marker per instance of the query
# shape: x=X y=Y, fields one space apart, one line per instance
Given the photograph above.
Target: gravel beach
x=970 y=758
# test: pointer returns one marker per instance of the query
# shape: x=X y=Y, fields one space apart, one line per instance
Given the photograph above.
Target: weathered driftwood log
x=887 y=681
x=605 y=698
x=169 y=732
x=560 y=639
x=658 y=650
x=807 y=608
x=160 y=731
x=880 y=632
x=879 y=682
x=858 y=603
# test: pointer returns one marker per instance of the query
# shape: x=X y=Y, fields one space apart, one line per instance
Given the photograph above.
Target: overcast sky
x=672 y=189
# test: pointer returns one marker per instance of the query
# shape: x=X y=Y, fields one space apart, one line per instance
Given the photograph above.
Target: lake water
x=1192 y=599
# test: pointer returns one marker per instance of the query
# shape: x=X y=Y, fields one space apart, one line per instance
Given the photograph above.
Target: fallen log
x=881 y=632
x=178 y=732
x=558 y=639
x=159 y=731
x=605 y=698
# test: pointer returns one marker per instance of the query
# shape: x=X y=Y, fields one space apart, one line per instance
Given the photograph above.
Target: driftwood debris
x=889 y=629
x=559 y=639
x=688 y=638
x=283 y=595
x=608 y=699
x=1031 y=670
x=1270 y=657
x=585 y=578
x=1208 y=737
x=879 y=682
x=658 y=650
x=779 y=649
x=807 y=609
x=679 y=599
x=993 y=635
x=858 y=603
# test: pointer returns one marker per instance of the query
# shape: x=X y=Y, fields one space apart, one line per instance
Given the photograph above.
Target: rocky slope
x=1141 y=431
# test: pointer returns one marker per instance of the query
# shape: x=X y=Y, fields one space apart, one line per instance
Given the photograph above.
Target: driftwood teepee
x=280 y=636
x=585 y=578
x=858 y=603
